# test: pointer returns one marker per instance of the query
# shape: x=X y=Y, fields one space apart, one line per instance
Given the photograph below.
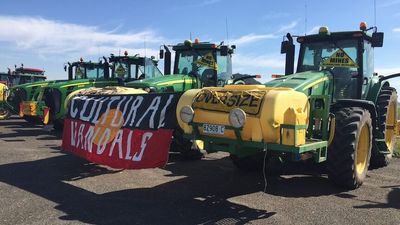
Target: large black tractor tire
x=386 y=109
x=58 y=125
x=32 y=120
x=4 y=113
x=350 y=150
x=185 y=146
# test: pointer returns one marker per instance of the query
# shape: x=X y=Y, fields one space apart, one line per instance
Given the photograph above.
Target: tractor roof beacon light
x=196 y=40
x=126 y=53
x=187 y=114
x=188 y=43
x=323 y=31
x=237 y=117
x=363 y=26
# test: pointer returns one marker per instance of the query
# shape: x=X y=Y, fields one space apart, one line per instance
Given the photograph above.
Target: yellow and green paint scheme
x=299 y=113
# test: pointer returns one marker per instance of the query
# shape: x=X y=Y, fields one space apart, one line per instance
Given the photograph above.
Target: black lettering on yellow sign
x=207 y=61
x=225 y=101
x=339 y=59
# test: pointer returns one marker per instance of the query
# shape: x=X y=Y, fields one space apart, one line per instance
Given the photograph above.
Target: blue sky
x=48 y=33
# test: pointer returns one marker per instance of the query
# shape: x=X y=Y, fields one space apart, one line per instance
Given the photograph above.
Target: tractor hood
x=36 y=84
x=300 y=81
x=79 y=83
x=162 y=82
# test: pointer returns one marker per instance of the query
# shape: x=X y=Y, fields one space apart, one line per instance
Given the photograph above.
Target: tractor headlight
x=187 y=114
x=149 y=89
x=237 y=118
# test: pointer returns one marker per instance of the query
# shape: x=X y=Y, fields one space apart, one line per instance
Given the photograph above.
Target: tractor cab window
x=150 y=70
x=198 y=63
x=25 y=79
x=36 y=79
x=338 y=57
x=79 y=72
x=224 y=69
x=368 y=66
x=93 y=72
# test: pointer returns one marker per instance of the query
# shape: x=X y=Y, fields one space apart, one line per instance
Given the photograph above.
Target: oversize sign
x=121 y=131
x=225 y=101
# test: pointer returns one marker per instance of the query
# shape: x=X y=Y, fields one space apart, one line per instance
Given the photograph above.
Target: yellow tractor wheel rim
x=390 y=126
x=362 y=150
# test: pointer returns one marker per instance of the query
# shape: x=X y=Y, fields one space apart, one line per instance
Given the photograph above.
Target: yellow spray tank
x=265 y=109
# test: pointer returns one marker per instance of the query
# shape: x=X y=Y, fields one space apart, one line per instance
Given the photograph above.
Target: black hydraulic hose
x=382 y=78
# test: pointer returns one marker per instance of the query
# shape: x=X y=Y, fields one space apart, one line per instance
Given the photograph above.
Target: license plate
x=213 y=129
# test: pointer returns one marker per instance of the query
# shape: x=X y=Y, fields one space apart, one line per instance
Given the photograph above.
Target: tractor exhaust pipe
x=288 y=48
x=167 y=61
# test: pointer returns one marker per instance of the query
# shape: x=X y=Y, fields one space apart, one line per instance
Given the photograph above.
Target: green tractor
x=34 y=109
x=18 y=85
x=333 y=109
x=123 y=69
x=197 y=64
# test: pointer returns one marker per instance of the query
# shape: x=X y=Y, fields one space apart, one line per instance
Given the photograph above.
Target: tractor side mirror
x=161 y=53
x=377 y=39
x=285 y=46
x=224 y=50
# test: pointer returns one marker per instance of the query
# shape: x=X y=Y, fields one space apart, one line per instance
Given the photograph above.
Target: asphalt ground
x=40 y=184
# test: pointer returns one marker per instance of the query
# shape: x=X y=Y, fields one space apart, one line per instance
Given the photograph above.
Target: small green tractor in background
x=333 y=109
x=17 y=85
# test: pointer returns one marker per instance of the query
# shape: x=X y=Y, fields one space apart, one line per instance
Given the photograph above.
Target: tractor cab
x=23 y=75
x=347 y=56
x=129 y=68
x=210 y=63
x=87 y=70
x=196 y=65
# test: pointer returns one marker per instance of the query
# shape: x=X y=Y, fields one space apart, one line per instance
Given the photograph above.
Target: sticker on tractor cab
x=120 y=71
x=225 y=101
x=208 y=61
x=339 y=59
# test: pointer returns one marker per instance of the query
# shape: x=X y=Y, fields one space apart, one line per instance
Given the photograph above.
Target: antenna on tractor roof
x=190 y=35
x=374 y=12
x=305 y=17
x=145 y=52
x=227 y=30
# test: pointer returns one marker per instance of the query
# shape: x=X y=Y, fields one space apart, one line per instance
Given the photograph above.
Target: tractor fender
x=368 y=105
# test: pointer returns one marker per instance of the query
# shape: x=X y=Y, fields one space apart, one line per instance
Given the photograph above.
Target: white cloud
x=249 y=38
x=314 y=30
x=209 y=2
x=288 y=27
x=275 y=15
x=252 y=37
x=396 y=29
x=48 y=37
